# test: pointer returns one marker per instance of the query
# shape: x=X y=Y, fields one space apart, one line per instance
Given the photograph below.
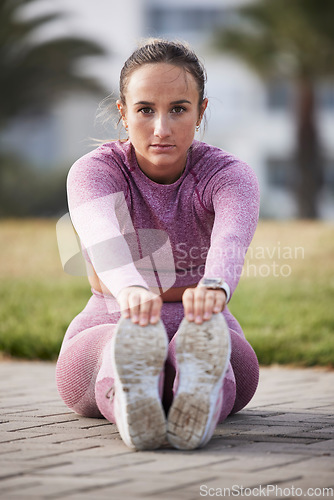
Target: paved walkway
x=284 y=439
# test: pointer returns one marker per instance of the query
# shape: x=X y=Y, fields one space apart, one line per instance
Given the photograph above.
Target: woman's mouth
x=162 y=147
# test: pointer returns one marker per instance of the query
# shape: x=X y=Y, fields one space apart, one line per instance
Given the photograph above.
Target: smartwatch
x=216 y=284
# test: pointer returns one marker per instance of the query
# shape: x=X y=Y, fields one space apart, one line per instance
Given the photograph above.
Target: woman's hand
x=139 y=304
x=200 y=303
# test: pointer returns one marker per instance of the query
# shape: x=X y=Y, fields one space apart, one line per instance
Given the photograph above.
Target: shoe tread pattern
x=202 y=353
x=139 y=356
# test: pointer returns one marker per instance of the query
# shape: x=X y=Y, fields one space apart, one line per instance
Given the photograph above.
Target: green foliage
x=33 y=76
x=27 y=191
x=287 y=320
x=287 y=323
x=283 y=323
x=321 y=18
x=35 y=314
x=291 y=38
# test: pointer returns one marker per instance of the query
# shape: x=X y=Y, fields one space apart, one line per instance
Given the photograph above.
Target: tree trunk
x=309 y=162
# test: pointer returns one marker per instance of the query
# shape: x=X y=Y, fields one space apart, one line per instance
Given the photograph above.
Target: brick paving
x=284 y=438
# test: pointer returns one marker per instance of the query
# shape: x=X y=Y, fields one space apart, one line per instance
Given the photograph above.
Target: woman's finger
x=188 y=303
x=155 y=309
x=145 y=307
x=199 y=300
x=123 y=301
x=209 y=304
x=220 y=301
x=134 y=305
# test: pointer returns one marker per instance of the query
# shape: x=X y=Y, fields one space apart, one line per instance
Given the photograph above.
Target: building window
x=279 y=95
x=178 y=20
x=325 y=96
x=329 y=174
x=281 y=173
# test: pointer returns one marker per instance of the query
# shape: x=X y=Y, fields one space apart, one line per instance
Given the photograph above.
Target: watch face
x=211 y=281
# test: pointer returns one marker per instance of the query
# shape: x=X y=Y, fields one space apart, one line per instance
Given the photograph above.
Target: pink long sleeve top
x=135 y=231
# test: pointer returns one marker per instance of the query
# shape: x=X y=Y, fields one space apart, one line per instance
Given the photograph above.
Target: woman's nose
x=162 y=127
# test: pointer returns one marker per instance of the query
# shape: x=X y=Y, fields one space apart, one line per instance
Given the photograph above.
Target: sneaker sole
x=203 y=354
x=138 y=356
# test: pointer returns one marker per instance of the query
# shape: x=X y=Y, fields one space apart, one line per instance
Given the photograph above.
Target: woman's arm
x=99 y=213
x=233 y=195
x=235 y=199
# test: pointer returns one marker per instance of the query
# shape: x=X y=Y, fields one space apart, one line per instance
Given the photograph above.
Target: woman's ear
x=203 y=108
x=120 y=108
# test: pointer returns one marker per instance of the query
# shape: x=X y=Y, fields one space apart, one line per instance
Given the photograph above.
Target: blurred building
x=245 y=117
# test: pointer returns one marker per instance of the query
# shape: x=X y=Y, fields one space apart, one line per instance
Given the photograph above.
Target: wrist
x=127 y=288
x=216 y=284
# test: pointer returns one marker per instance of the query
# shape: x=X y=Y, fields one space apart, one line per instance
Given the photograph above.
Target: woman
x=165 y=222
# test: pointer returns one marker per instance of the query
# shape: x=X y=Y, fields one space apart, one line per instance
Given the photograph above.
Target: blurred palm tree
x=293 y=39
x=33 y=76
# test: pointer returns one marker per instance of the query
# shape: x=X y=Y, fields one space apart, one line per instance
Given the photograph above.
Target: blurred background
x=271 y=93
x=270 y=85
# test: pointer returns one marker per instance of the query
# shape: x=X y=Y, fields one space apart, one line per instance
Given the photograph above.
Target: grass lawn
x=284 y=301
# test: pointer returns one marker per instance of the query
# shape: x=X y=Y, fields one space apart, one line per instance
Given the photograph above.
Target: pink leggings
x=89 y=334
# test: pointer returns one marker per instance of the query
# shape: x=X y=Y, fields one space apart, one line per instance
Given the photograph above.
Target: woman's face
x=161 y=112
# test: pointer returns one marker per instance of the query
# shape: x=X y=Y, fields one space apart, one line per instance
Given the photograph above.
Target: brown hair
x=155 y=50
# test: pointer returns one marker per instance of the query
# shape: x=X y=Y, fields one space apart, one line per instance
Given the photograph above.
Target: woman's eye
x=178 y=109
x=146 y=111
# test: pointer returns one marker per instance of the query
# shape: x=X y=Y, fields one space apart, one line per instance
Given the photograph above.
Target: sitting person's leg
x=246 y=370
x=244 y=363
x=204 y=385
x=92 y=358
x=238 y=380
x=81 y=353
x=129 y=384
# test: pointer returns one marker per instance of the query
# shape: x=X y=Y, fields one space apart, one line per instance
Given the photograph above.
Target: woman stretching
x=165 y=222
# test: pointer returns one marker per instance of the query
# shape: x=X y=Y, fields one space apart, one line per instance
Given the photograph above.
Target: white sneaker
x=138 y=356
x=202 y=353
